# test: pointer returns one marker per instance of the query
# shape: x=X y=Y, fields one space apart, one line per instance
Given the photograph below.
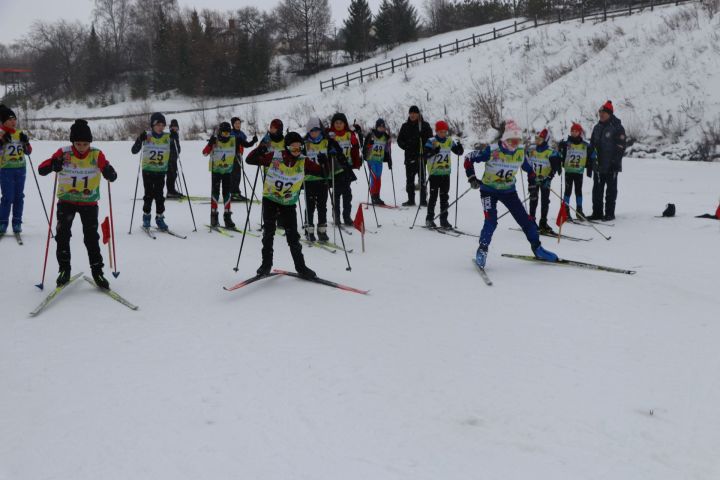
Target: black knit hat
x=224 y=127
x=414 y=109
x=80 y=131
x=6 y=114
x=157 y=117
x=379 y=123
x=339 y=116
x=174 y=123
x=292 y=137
x=234 y=119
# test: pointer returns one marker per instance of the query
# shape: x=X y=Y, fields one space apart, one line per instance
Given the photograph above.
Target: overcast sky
x=17 y=16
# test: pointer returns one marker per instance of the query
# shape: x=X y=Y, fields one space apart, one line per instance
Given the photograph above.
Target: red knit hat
x=441 y=125
x=576 y=127
x=543 y=134
x=607 y=107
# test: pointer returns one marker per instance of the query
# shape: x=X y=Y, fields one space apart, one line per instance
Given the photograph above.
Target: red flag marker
x=359 y=224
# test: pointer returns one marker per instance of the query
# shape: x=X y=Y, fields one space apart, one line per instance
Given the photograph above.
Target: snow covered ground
x=551 y=373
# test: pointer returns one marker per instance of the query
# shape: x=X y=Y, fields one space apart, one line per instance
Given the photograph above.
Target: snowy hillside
x=552 y=373
x=659 y=68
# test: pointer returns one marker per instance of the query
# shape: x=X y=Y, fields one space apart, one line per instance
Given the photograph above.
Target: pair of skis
x=151 y=233
x=109 y=292
x=453 y=232
x=556 y=235
x=277 y=272
x=18 y=237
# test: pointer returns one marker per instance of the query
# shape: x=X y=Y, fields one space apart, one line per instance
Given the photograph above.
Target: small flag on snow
x=359 y=224
x=562 y=215
x=106 y=230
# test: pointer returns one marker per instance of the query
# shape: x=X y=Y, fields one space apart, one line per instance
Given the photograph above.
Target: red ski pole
x=112 y=234
x=41 y=285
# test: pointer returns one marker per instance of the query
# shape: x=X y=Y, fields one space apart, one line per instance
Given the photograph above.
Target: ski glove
x=254 y=139
x=589 y=172
x=57 y=163
x=141 y=138
x=24 y=138
x=7 y=138
x=474 y=182
x=213 y=140
x=109 y=173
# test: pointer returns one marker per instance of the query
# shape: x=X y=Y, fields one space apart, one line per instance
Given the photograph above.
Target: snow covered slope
x=551 y=373
x=653 y=65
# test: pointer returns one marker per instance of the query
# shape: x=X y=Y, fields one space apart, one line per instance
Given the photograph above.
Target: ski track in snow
x=550 y=373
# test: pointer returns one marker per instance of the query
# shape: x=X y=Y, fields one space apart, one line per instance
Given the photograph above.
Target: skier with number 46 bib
x=502 y=161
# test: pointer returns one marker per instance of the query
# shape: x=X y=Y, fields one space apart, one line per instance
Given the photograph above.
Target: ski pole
x=32 y=167
x=247 y=222
x=417 y=212
x=367 y=178
x=457 y=186
x=342 y=239
x=41 y=285
x=581 y=216
x=299 y=203
x=187 y=192
x=112 y=233
x=453 y=203
x=137 y=182
x=524 y=202
x=392 y=178
x=332 y=203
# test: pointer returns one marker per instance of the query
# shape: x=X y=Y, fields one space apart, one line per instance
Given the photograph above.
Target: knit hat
x=339 y=116
x=607 y=107
x=174 y=123
x=380 y=123
x=224 y=127
x=512 y=130
x=441 y=125
x=6 y=114
x=313 y=123
x=543 y=134
x=156 y=118
x=278 y=124
x=292 y=137
x=234 y=119
x=576 y=127
x=80 y=132
x=414 y=109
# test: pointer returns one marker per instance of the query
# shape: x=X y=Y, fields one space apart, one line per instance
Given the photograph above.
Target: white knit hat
x=512 y=130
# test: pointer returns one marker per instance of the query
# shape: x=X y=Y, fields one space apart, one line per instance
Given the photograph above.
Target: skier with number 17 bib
x=502 y=161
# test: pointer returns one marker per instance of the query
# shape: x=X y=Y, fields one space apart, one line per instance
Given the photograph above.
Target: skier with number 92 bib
x=502 y=161
x=284 y=178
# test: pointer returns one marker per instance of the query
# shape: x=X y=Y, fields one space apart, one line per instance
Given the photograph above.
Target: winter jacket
x=174 y=145
x=107 y=170
x=412 y=137
x=608 y=141
x=563 y=148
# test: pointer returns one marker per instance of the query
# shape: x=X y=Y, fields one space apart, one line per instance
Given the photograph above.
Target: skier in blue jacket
x=498 y=185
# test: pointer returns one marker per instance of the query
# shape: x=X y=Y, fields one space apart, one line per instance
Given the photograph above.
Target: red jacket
x=260 y=156
x=354 y=146
x=45 y=168
x=27 y=146
x=238 y=149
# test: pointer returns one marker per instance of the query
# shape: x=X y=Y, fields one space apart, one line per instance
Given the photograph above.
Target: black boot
x=429 y=223
x=445 y=225
x=544 y=227
x=596 y=216
x=64 y=275
x=376 y=200
x=266 y=265
x=348 y=222
x=305 y=272
x=322 y=233
x=227 y=218
x=99 y=277
x=310 y=233
x=214 y=218
x=410 y=202
x=579 y=214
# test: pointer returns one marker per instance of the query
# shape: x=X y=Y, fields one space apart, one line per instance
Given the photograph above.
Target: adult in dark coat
x=172 y=173
x=412 y=137
x=608 y=141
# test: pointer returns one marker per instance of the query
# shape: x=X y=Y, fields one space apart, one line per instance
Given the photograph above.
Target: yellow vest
x=156 y=154
x=79 y=180
x=12 y=154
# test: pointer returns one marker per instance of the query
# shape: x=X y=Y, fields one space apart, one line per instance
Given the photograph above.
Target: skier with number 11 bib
x=502 y=161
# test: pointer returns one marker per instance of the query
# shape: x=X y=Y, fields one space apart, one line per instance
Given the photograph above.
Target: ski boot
x=545 y=255
x=17 y=227
x=481 y=255
x=445 y=225
x=429 y=223
x=545 y=228
x=310 y=233
x=173 y=194
x=64 y=275
x=214 y=221
x=376 y=200
x=266 y=265
x=239 y=197
x=99 y=277
x=227 y=218
x=322 y=233
x=579 y=214
x=305 y=272
x=3 y=228
x=409 y=203
x=595 y=217
x=609 y=217
x=348 y=222
x=160 y=222
x=146 y=221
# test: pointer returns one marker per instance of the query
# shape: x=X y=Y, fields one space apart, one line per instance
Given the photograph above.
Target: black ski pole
x=187 y=193
x=247 y=223
x=417 y=212
x=335 y=218
x=32 y=167
x=137 y=182
x=457 y=186
x=453 y=203
x=392 y=178
x=371 y=202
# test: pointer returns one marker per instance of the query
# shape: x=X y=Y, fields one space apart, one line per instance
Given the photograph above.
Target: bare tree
x=113 y=22
x=307 y=22
x=62 y=42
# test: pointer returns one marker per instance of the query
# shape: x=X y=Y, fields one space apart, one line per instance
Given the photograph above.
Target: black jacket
x=608 y=142
x=412 y=137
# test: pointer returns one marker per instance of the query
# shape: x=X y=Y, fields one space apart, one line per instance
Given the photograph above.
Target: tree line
x=154 y=46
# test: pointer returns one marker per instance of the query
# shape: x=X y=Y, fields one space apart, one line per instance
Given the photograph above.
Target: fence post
x=535 y=21
x=473 y=39
x=652 y=5
x=424 y=57
x=377 y=74
x=440 y=50
x=605 y=11
x=582 y=12
x=515 y=26
x=559 y=17
x=457 y=45
x=347 y=79
x=392 y=64
x=494 y=35
x=407 y=61
x=361 y=75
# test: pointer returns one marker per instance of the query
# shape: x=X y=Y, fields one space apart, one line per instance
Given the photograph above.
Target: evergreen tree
x=94 y=67
x=385 y=33
x=358 y=39
x=163 y=63
x=406 y=21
